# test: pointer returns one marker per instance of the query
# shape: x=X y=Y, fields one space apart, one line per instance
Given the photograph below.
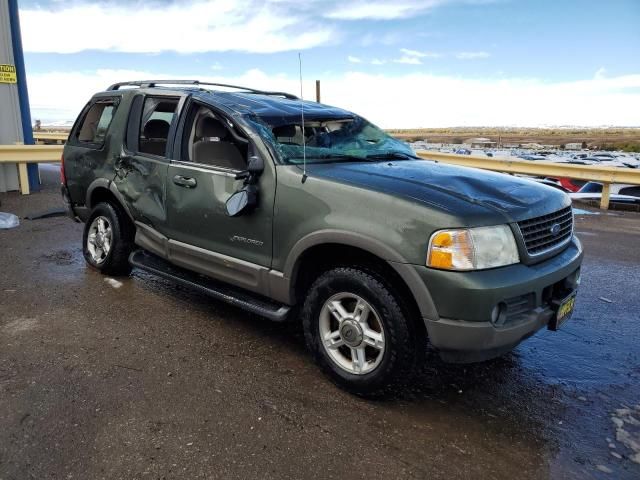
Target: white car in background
x=619 y=192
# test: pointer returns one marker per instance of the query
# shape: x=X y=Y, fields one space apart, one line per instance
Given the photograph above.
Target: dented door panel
x=141 y=182
x=141 y=176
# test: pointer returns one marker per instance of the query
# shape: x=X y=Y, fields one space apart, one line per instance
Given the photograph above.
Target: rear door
x=213 y=150
x=141 y=166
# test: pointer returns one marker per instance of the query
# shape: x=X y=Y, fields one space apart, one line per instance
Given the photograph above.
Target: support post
x=23 y=178
x=318 y=91
x=23 y=94
x=604 y=200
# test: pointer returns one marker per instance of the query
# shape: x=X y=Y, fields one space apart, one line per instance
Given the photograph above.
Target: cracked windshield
x=330 y=140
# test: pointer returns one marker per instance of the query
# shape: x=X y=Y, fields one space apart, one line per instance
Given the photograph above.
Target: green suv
x=302 y=211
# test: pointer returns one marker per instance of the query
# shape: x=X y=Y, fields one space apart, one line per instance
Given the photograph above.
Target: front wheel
x=108 y=240
x=358 y=333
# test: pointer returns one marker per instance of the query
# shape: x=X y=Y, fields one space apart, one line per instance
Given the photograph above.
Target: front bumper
x=467 y=329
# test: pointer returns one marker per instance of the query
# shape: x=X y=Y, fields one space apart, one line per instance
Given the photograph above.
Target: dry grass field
x=626 y=139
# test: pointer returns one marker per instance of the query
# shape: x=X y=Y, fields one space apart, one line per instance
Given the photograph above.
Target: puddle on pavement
x=580 y=211
x=627 y=424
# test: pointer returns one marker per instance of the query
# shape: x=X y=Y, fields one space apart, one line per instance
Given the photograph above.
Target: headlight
x=472 y=248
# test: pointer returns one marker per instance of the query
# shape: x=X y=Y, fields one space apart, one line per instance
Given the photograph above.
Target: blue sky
x=402 y=63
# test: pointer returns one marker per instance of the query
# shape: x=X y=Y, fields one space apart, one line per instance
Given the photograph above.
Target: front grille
x=537 y=235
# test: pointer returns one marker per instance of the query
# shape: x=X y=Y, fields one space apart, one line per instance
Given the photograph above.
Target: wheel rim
x=352 y=333
x=99 y=239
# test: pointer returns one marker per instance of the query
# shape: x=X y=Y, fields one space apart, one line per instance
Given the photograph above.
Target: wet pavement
x=140 y=378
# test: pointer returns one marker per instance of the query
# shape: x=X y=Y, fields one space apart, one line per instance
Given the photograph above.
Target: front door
x=202 y=237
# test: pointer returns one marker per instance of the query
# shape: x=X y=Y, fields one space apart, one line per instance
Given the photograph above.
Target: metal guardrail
x=595 y=173
x=57 y=137
x=23 y=154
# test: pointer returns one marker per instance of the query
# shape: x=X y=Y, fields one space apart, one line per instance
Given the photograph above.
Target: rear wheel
x=358 y=333
x=108 y=240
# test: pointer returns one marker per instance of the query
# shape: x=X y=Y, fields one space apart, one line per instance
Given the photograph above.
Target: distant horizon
x=53 y=123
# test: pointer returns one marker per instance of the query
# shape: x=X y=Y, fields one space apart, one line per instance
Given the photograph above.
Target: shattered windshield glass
x=329 y=140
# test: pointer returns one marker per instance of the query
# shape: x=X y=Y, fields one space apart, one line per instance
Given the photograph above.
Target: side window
x=210 y=140
x=95 y=124
x=157 y=116
x=631 y=191
x=591 y=187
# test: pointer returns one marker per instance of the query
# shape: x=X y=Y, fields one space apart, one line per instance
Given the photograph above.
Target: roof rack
x=154 y=83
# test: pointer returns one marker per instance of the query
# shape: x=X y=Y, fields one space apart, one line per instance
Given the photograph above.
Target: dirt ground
x=139 y=378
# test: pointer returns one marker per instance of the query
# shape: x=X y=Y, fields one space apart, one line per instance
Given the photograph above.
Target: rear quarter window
x=94 y=125
x=631 y=191
x=591 y=187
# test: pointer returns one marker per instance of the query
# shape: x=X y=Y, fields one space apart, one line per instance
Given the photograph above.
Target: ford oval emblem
x=555 y=229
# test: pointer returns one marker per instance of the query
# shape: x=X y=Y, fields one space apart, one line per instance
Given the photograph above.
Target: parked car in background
x=569 y=184
x=619 y=192
x=463 y=151
x=624 y=162
x=532 y=157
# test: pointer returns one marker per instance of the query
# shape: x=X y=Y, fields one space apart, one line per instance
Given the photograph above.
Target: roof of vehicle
x=272 y=106
x=244 y=101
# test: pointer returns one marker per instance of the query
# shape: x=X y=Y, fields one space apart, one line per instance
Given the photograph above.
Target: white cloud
x=353 y=59
x=419 y=54
x=382 y=9
x=600 y=73
x=408 y=60
x=472 y=55
x=193 y=26
x=187 y=26
x=402 y=101
x=217 y=66
x=377 y=61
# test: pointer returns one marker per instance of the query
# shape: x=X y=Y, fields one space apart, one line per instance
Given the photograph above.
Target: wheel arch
x=319 y=252
x=103 y=190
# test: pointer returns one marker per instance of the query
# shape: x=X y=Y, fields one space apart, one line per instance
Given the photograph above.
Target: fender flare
x=405 y=270
x=111 y=187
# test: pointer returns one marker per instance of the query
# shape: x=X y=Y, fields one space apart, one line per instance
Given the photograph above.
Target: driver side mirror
x=246 y=198
x=242 y=201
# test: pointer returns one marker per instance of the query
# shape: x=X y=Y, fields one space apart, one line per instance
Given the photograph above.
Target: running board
x=235 y=296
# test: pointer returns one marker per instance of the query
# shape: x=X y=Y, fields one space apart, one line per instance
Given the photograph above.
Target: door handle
x=186 y=182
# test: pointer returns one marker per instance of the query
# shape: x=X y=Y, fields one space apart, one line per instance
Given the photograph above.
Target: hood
x=460 y=191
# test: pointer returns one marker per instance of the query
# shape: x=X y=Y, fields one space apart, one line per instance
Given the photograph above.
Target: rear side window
x=591 y=187
x=155 y=122
x=631 y=191
x=95 y=124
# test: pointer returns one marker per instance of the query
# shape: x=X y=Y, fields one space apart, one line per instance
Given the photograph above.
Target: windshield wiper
x=391 y=156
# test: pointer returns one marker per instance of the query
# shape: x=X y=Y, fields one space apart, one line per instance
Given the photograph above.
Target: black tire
x=402 y=341
x=116 y=262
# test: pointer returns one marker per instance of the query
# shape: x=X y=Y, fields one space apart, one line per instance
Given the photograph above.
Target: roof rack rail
x=154 y=83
